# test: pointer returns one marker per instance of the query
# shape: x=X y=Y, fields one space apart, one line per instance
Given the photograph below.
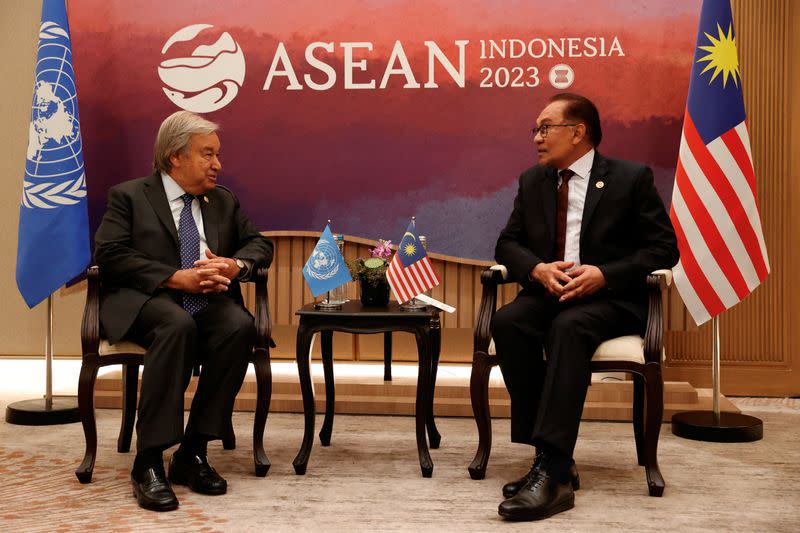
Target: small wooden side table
x=358 y=319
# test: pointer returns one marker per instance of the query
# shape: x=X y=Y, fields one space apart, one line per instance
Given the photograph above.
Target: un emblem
x=323 y=263
x=207 y=80
x=54 y=167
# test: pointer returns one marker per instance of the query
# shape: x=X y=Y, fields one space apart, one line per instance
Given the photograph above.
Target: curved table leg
x=304 y=369
x=423 y=406
x=387 y=356
x=435 y=347
x=330 y=394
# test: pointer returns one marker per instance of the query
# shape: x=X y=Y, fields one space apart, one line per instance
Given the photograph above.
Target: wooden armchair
x=98 y=352
x=639 y=356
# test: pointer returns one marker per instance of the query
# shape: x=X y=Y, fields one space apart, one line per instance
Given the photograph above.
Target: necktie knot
x=566 y=174
x=187 y=199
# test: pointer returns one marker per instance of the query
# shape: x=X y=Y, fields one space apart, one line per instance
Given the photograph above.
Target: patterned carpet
x=369 y=480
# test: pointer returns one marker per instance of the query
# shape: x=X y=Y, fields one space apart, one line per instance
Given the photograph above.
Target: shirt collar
x=171 y=187
x=583 y=165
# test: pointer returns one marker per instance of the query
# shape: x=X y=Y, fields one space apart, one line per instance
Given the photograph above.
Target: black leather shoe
x=541 y=497
x=511 y=489
x=197 y=474
x=152 y=490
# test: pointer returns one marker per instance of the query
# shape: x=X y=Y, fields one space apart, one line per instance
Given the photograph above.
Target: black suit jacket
x=625 y=230
x=137 y=249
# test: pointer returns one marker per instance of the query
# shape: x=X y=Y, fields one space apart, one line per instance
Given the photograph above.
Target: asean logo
x=207 y=80
x=561 y=76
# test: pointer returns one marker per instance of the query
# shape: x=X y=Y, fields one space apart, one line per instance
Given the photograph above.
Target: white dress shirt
x=578 y=184
x=174 y=193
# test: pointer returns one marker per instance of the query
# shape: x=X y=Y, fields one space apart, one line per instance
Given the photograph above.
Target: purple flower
x=382 y=250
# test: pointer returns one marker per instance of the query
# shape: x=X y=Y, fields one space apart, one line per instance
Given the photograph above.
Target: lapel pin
x=205 y=198
x=599 y=185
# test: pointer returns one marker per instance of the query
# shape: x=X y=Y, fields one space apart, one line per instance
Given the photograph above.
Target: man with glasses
x=584 y=233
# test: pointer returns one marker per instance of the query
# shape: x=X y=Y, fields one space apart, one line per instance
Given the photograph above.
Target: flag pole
x=45 y=411
x=716 y=425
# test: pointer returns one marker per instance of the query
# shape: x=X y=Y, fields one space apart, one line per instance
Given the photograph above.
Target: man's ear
x=175 y=160
x=579 y=133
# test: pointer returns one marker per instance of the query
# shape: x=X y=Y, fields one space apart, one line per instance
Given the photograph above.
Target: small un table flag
x=53 y=245
x=325 y=269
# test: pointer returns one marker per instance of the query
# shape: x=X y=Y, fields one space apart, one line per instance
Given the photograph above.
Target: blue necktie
x=190 y=251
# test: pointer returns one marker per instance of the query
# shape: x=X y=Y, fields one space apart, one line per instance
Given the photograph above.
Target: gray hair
x=174 y=134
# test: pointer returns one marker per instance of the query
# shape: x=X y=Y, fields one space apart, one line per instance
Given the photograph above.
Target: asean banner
x=377 y=106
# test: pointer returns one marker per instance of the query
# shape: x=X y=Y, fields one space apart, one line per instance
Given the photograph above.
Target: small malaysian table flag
x=410 y=273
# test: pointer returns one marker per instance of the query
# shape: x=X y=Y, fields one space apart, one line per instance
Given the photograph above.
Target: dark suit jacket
x=136 y=246
x=625 y=230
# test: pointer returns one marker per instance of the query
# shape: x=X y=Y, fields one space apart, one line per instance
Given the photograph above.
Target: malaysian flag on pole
x=714 y=205
x=410 y=273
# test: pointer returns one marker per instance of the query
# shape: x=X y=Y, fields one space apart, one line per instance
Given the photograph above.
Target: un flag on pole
x=53 y=245
x=325 y=269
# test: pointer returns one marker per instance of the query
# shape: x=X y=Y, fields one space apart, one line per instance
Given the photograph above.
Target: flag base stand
x=325 y=306
x=413 y=305
x=63 y=410
x=715 y=425
x=727 y=427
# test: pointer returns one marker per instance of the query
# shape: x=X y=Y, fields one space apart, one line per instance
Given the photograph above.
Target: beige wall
x=22 y=331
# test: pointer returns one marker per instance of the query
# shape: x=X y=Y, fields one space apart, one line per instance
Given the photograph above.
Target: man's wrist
x=244 y=268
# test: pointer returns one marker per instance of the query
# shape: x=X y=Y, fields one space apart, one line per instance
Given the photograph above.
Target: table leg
x=304 y=370
x=422 y=407
x=330 y=394
x=387 y=356
x=435 y=345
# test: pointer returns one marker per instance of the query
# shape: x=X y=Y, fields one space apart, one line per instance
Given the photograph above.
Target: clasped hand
x=213 y=274
x=577 y=283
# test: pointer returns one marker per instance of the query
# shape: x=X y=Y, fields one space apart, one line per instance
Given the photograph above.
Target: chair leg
x=263 y=396
x=654 y=411
x=130 y=390
x=638 y=417
x=479 y=394
x=86 y=381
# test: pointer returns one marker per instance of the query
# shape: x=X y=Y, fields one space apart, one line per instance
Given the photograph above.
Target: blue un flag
x=53 y=245
x=325 y=269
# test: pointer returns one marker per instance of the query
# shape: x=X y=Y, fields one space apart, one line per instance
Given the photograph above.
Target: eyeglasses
x=543 y=129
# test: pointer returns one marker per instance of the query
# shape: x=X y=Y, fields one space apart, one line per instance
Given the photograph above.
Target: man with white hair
x=172 y=248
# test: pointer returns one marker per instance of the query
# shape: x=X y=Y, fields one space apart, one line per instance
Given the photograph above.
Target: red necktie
x=562 y=202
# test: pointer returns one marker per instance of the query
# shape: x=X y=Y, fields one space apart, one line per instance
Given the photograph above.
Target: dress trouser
x=220 y=338
x=545 y=349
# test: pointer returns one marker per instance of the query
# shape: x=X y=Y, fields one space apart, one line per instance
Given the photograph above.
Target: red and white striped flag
x=410 y=272
x=714 y=204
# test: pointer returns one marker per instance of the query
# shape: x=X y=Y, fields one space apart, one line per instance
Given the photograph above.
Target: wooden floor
x=360 y=389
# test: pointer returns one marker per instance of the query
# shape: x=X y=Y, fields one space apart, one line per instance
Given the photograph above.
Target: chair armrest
x=262 y=318
x=90 y=325
x=490 y=279
x=657 y=282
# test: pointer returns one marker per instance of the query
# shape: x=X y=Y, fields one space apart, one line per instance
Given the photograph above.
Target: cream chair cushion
x=627 y=348
x=107 y=348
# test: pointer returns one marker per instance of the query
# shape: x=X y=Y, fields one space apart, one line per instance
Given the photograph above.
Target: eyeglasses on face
x=544 y=128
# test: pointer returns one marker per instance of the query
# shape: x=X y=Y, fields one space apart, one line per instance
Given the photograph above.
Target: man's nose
x=216 y=164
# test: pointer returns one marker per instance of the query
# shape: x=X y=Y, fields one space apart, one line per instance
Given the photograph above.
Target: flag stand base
x=729 y=427
x=413 y=305
x=325 y=306
x=64 y=410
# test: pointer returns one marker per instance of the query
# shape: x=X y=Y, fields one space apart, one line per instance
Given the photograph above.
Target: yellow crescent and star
x=409 y=249
x=722 y=56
